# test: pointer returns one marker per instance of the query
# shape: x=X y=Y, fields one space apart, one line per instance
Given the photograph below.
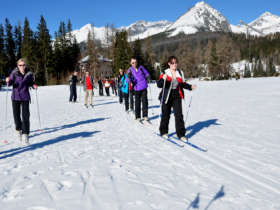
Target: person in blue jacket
x=124 y=84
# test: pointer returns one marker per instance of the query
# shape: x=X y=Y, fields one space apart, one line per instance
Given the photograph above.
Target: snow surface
x=102 y=159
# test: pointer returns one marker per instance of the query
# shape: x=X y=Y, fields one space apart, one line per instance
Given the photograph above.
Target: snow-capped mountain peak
x=267 y=23
x=265 y=20
x=201 y=17
x=142 y=29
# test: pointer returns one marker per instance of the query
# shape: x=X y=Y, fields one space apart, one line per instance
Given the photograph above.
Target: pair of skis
x=174 y=140
x=180 y=143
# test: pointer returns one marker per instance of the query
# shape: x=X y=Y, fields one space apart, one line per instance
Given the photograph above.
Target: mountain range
x=201 y=17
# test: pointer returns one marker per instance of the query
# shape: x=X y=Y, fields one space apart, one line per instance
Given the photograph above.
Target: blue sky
x=124 y=12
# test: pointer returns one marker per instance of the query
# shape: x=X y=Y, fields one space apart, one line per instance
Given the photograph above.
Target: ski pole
x=6 y=111
x=38 y=111
x=189 y=107
x=150 y=89
x=161 y=101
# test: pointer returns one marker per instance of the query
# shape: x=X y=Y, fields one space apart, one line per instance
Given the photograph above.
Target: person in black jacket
x=172 y=83
x=73 y=86
x=100 y=84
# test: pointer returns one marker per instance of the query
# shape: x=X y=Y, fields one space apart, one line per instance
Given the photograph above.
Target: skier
x=131 y=96
x=138 y=75
x=113 y=86
x=100 y=84
x=73 y=86
x=124 y=83
x=88 y=84
x=172 y=83
x=119 y=85
x=21 y=79
x=107 y=87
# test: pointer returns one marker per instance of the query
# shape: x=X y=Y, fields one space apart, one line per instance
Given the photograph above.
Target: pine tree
x=260 y=69
x=45 y=49
x=247 y=72
x=224 y=53
x=18 y=41
x=212 y=60
x=10 y=45
x=66 y=52
x=137 y=52
x=122 y=52
x=149 y=58
x=92 y=53
x=3 y=56
x=28 y=45
x=271 y=69
x=164 y=60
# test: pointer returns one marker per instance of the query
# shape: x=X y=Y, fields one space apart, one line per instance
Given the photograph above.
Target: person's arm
x=163 y=77
x=146 y=73
x=10 y=80
x=186 y=85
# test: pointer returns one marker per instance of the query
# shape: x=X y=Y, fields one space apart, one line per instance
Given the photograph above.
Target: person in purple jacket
x=21 y=79
x=138 y=75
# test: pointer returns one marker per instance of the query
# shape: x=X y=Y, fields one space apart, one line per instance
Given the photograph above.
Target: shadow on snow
x=19 y=150
x=197 y=127
x=54 y=129
x=112 y=102
x=195 y=203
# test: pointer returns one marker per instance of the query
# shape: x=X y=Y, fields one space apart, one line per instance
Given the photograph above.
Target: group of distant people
x=132 y=85
x=88 y=86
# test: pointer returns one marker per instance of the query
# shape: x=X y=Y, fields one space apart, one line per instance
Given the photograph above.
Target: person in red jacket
x=107 y=86
x=88 y=83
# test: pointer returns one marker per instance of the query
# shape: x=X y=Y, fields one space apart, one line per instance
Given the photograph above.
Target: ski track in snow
x=100 y=158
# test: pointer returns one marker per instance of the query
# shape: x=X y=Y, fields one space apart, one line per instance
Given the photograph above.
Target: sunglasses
x=173 y=63
x=133 y=62
x=22 y=65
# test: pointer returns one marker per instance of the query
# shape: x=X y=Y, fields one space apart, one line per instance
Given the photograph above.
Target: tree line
x=210 y=54
x=50 y=60
x=205 y=54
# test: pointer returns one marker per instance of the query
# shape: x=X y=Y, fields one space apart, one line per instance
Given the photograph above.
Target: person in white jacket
x=172 y=82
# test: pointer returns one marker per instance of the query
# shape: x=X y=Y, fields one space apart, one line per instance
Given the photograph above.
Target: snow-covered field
x=102 y=159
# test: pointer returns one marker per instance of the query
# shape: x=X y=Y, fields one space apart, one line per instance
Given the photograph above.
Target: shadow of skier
x=197 y=127
x=19 y=150
x=195 y=203
x=58 y=128
x=218 y=195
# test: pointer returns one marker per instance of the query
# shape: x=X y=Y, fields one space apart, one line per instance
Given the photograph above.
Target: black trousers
x=120 y=96
x=131 y=99
x=176 y=102
x=73 y=93
x=100 y=91
x=126 y=96
x=21 y=116
x=107 y=89
x=141 y=96
x=114 y=90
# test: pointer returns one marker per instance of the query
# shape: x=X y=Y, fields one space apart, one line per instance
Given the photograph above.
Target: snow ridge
x=200 y=17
